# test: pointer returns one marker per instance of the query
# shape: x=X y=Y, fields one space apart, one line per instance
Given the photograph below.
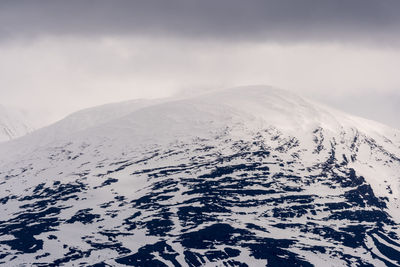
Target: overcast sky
x=60 y=56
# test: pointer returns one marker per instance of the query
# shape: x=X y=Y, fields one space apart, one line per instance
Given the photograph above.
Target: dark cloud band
x=249 y=20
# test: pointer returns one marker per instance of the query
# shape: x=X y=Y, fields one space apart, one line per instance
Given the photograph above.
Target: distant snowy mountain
x=249 y=176
x=13 y=124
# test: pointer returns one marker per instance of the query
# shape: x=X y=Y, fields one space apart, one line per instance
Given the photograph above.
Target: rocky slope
x=250 y=176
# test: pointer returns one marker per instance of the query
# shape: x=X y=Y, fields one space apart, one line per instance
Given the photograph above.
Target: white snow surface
x=255 y=107
x=13 y=124
x=142 y=136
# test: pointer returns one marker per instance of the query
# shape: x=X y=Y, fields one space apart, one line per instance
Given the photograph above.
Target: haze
x=57 y=57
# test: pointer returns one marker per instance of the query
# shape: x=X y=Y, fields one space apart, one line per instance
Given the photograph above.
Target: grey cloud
x=249 y=20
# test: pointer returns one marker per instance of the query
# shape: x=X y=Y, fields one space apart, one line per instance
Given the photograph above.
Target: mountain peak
x=249 y=175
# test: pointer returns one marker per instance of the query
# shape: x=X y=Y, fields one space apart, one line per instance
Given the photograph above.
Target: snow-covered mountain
x=249 y=176
x=13 y=124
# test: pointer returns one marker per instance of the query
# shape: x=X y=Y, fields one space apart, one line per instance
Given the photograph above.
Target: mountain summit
x=248 y=176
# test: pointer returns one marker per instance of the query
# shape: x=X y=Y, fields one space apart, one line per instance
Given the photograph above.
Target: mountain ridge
x=126 y=109
x=249 y=176
x=13 y=124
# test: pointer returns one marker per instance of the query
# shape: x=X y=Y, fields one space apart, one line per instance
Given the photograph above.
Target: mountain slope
x=245 y=176
x=13 y=124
